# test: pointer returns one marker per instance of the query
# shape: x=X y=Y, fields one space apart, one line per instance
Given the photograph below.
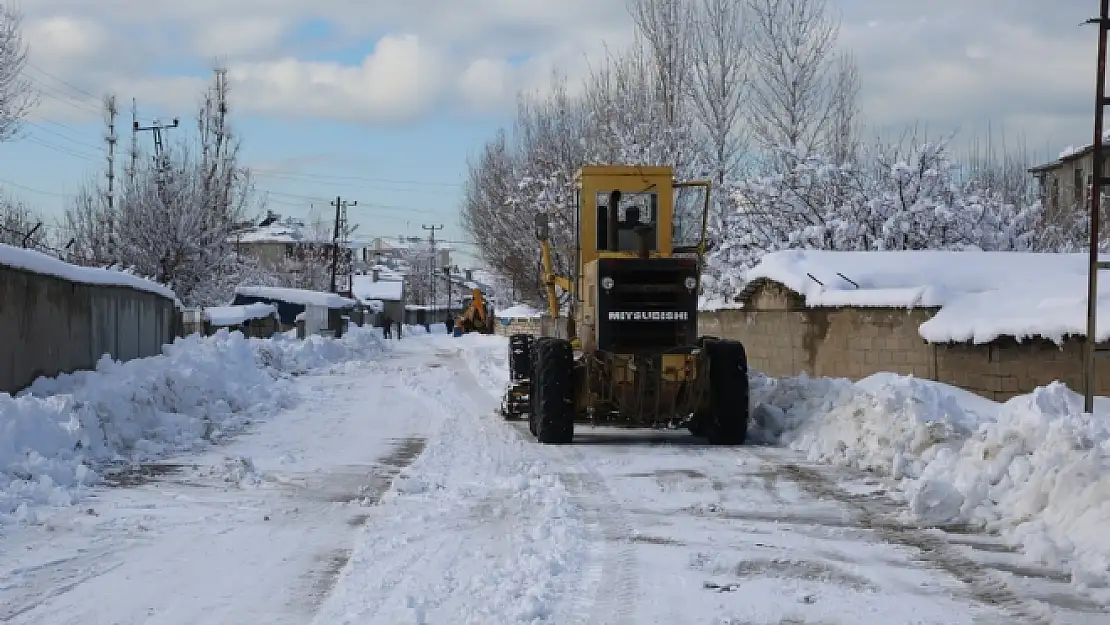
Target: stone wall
x=783 y=338
x=49 y=325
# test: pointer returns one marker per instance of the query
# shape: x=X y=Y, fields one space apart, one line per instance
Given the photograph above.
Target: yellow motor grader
x=628 y=353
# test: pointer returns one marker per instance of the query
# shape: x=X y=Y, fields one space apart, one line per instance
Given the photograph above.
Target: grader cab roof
x=623 y=170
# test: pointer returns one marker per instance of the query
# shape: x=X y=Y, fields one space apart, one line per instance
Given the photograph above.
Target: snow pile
x=1035 y=468
x=61 y=433
x=37 y=262
x=981 y=295
x=236 y=315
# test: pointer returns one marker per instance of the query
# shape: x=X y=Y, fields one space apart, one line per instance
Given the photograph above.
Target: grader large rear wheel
x=553 y=385
x=726 y=422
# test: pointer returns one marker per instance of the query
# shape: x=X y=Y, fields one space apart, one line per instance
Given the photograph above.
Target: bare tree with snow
x=175 y=220
x=17 y=97
x=792 y=45
x=719 y=81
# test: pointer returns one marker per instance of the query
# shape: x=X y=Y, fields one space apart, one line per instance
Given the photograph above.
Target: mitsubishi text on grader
x=628 y=354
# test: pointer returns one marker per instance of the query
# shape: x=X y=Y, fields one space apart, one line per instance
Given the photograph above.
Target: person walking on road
x=387 y=327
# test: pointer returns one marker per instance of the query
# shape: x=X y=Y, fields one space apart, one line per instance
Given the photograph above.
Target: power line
x=61 y=96
x=358 y=185
x=60 y=135
x=68 y=84
x=32 y=190
x=289 y=173
x=60 y=149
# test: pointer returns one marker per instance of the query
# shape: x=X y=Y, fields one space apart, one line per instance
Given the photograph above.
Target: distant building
x=1065 y=183
x=394 y=251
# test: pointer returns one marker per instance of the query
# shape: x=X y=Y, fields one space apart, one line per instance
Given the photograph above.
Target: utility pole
x=1098 y=180
x=340 y=217
x=110 y=112
x=161 y=161
x=432 y=262
x=131 y=171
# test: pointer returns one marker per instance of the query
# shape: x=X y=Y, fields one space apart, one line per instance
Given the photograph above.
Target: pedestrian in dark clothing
x=447 y=322
x=387 y=327
x=399 y=326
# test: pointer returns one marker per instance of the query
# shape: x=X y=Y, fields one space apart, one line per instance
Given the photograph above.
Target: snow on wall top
x=520 y=311
x=365 y=289
x=297 y=296
x=235 y=315
x=37 y=262
x=981 y=295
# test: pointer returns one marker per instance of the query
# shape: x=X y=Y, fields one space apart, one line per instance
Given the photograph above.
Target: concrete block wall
x=49 y=325
x=517 y=326
x=784 y=338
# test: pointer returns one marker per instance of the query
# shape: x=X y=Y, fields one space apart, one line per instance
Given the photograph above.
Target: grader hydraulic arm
x=550 y=280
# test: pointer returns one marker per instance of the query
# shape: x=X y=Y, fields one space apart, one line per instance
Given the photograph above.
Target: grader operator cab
x=628 y=353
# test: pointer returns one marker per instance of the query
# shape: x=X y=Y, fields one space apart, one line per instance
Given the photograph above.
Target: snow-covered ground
x=379 y=486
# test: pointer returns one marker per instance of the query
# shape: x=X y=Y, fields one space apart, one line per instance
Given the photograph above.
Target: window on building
x=1079 y=193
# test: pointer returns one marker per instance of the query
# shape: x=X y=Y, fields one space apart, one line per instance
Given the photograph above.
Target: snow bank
x=37 y=262
x=60 y=434
x=235 y=315
x=981 y=295
x=519 y=311
x=1034 y=468
x=297 y=296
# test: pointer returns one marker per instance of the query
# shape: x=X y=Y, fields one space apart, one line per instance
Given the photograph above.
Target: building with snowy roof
x=996 y=323
x=1066 y=181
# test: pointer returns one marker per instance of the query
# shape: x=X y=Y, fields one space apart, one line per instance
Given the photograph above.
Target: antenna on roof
x=854 y=283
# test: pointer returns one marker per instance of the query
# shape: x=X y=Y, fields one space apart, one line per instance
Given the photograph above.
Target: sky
x=383 y=102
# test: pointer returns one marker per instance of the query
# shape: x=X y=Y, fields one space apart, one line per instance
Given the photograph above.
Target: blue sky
x=383 y=102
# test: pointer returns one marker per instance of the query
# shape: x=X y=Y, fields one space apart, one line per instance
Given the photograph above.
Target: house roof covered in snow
x=235 y=315
x=366 y=289
x=981 y=296
x=301 y=297
x=1069 y=153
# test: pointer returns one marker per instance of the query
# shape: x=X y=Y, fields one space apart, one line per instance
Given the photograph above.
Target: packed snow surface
x=37 y=262
x=303 y=297
x=235 y=315
x=981 y=295
x=1035 y=468
x=519 y=311
x=58 y=436
x=386 y=490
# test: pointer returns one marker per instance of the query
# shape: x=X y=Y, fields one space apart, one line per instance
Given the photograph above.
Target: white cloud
x=239 y=37
x=484 y=84
x=398 y=81
x=961 y=63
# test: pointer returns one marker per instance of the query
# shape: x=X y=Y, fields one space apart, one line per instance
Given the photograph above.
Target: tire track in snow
x=877 y=515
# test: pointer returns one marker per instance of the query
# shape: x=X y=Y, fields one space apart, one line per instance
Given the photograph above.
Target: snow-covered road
x=397 y=496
